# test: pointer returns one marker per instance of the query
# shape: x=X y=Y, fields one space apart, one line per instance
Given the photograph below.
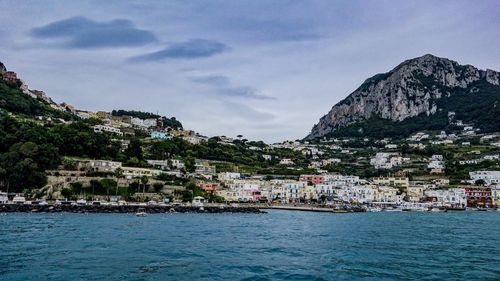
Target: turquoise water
x=280 y=245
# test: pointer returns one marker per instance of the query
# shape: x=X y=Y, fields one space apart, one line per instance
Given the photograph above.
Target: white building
x=107 y=129
x=386 y=160
x=99 y=165
x=286 y=161
x=132 y=172
x=489 y=177
x=454 y=197
x=228 y=176
x=143 y=123
x=159 y=164
x=3 y=198
x=436 y=162
x=178 y=164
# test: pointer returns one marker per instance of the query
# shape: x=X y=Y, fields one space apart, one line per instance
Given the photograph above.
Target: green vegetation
x=14 y=100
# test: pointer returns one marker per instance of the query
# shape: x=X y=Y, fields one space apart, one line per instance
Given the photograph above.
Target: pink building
x=10 y=76
x=315 y=179
x=209 y=187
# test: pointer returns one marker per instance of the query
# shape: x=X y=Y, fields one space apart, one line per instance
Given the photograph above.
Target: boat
x=374 y=209
x=141 y=212
x=19 y=199
x=392 y=210
x=198 y=201
x=81 y=202
x=3 y=197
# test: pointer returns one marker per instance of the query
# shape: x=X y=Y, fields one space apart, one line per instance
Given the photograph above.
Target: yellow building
x=392 y=181
x=386 y=194
x=415 y=193
x=307 y=192
x=102 y=114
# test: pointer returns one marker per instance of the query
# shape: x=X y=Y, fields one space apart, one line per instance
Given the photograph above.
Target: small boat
x=392 y=210
x=81 y=202
x=374 y=209
x=19 y=200
x=141 y=212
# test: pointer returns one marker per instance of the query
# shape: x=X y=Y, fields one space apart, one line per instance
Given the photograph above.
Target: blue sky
x=264 y=69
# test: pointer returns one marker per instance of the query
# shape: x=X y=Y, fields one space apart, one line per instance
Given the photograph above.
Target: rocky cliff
x=411 y=89
x=2 y=68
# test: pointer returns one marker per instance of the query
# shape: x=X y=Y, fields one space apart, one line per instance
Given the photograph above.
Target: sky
x=265 y=69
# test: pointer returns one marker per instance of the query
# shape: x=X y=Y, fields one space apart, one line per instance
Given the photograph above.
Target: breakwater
x=11 y=208
x=315 y=209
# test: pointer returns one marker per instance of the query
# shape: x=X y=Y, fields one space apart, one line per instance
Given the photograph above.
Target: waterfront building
x=3 y=197
x=478 y=196
x=415 y=193
x=307 y=192
x=453 y=197
x=386 y=194
x=495 y=195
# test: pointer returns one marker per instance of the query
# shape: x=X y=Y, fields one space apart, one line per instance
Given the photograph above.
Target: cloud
x=191 y=49
x=214 y=80
x=84 y=33
x=242 y=111
x=243 y=92
x=221 y=85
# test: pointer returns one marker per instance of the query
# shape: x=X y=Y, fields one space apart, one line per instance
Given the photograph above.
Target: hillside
x=425 y=93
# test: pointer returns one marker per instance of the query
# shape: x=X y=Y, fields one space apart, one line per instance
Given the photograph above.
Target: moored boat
x=141 y=212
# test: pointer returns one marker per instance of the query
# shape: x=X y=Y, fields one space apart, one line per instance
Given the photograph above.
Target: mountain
x=419 y=94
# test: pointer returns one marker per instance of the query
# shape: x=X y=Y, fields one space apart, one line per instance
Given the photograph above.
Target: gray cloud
x=83 y=33
x=221 y=86
x=191 y=49
x=243 y=92
x=215 y=80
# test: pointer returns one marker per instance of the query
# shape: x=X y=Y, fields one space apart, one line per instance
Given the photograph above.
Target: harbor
x=131 y=208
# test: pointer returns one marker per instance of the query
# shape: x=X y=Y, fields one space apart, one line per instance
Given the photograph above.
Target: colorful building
x=314 y=179
x=478 y=196
x=160 y=135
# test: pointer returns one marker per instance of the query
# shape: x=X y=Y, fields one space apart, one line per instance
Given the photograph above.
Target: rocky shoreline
x=20 y=208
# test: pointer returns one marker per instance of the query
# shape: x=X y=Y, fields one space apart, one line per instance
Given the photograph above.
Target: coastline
x=23 y=208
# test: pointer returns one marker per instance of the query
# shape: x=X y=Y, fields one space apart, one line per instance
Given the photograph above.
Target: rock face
x=2 y=68
x=409 y=90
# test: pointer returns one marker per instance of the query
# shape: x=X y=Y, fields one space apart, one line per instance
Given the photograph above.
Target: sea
x=278 y=245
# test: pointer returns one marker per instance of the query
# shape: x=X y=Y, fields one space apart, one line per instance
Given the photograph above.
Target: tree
x=189 y=163
x=108 y=184
x=144 y=181
x=480 y=182
x=25 y=163
x=67 y=193
x=134 y=149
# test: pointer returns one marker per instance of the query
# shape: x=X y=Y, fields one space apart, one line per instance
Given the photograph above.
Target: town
x=156 y=161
